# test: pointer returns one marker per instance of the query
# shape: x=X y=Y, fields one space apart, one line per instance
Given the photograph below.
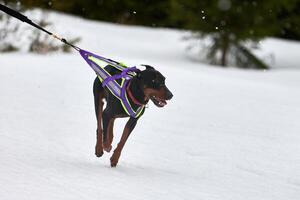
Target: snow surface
x=227 y=134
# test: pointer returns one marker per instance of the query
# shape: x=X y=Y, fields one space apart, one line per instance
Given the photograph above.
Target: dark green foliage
x=243 y=17
x=290 y=22
x=145 y=12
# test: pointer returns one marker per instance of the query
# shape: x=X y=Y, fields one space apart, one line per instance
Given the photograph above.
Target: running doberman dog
x=146 y=85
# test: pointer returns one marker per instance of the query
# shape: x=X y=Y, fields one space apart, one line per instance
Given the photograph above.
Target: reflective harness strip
x=98 y=63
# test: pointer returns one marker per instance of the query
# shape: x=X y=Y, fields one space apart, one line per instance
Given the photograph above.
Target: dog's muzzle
x=169 y=94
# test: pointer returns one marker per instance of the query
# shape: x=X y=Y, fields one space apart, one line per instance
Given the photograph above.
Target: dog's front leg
x=99 y=148
x=108 y=121
x=110 y=135
x=127 y=130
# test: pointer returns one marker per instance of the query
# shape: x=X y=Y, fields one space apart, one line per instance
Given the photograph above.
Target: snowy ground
x=227 y=134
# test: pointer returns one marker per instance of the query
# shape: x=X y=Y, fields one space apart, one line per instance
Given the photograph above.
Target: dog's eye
x=157 y=84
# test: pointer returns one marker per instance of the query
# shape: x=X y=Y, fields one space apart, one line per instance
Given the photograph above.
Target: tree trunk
x=224 y=49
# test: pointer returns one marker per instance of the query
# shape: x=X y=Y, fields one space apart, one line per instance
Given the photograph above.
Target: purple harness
x=118 y=90
x=119 y=76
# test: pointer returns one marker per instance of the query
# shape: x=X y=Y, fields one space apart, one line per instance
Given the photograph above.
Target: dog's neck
x=137 y=92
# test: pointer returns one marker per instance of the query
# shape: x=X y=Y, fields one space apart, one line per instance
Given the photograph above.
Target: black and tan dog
x=148 y=84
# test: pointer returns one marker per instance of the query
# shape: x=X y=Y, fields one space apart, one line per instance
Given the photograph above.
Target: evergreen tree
x=230 y=22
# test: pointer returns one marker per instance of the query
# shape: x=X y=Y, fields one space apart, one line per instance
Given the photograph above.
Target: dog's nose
x=169 y=95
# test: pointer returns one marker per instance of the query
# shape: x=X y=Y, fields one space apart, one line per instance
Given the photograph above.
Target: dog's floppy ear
x=148 y=67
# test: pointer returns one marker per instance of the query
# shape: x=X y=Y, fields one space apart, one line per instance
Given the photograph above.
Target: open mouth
x=158 y=101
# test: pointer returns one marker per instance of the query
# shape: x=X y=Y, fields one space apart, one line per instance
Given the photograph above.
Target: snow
x=228 y=134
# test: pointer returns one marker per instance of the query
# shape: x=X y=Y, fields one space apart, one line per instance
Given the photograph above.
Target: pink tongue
x=163 y=103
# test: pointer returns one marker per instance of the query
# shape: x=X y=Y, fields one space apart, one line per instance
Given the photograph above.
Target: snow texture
x=227 y=134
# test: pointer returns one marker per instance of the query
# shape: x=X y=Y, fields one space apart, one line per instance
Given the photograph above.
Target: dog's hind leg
x=98 y=100
x=127 y=130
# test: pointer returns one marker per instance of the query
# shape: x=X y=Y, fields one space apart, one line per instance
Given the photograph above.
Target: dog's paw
x=107 y=148
x=114 y=159
x=98 y=152
x=113 y=163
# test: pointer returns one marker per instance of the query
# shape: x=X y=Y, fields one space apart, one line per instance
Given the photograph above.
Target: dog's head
x=154 y=87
